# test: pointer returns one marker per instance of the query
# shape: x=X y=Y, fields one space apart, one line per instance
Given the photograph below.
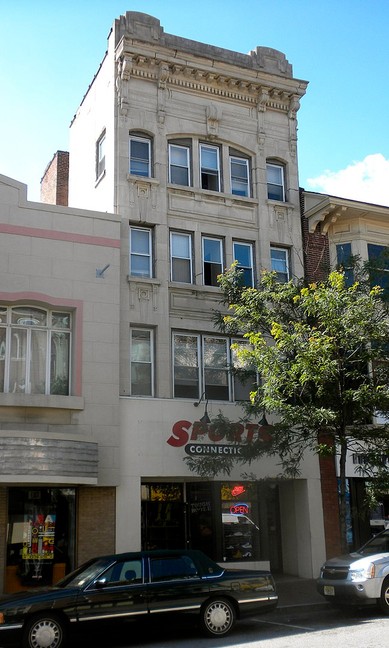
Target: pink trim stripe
x=36 y=232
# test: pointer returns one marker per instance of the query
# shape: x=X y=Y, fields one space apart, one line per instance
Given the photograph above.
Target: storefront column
x=302 y=528
x=95 y=523
x=3 y=532
x=128 y=514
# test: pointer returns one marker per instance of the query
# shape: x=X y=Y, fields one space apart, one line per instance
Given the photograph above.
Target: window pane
x=181 y=270
x=59 y=363
x=140 y=246
x=186 y=369
x=209 y=162
x=275 y=182
x=279 y=264
x=179 y=155
x=140 y=157
x=181 y=245
x=239 y=176
x=140 y=346
x=38 y=362
x=242 y=254
x=343 y=254
x=212 y=250
x=17 y=369
x=140 y=241
x=3 y=332
x=27 y=316
x=215 y=368
x=141 y=363
x=209 y=159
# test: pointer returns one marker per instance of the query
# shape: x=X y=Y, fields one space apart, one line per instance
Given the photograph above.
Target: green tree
x=321 y=351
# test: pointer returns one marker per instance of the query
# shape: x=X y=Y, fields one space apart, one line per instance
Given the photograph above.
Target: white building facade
x=195 y=147
x=59 y=386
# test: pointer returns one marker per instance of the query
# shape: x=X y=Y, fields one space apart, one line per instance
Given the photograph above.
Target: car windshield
x=85 y=574
x=378 y=544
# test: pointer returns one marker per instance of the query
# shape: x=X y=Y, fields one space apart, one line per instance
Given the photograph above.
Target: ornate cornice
x=264 y=94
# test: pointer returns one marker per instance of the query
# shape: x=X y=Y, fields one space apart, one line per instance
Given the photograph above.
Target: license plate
x=329 y=590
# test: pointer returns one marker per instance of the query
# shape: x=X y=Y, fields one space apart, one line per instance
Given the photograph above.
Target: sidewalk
x=298 y=594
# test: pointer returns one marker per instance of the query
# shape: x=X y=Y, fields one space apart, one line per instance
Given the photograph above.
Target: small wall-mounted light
x=100 y=271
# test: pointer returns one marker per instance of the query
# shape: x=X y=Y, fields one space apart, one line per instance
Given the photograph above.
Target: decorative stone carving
x=212 y=121
x=123 y=73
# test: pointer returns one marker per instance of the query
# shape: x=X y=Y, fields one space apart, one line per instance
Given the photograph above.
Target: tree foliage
x=321 y=352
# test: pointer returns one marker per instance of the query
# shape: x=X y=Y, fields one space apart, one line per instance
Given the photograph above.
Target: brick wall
x=316 y=250
x=55 y=180
x=95 y=523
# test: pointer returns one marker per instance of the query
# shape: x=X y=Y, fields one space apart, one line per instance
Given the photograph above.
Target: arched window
x=34 y=350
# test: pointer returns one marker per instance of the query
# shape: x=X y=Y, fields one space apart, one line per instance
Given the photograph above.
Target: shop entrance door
x=163 y=517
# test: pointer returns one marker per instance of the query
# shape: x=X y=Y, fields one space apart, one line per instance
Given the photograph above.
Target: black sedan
x=131 y=586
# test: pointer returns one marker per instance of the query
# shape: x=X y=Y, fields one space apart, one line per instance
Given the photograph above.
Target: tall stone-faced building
x=195 y=147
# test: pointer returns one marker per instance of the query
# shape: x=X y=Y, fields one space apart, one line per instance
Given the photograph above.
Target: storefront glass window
x=40 y=536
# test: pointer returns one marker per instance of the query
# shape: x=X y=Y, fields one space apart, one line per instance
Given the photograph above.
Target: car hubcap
x=218 y=617
x=386 y=596
x=45 y=634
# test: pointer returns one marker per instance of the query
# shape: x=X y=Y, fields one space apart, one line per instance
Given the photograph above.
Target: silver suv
x=360 y=578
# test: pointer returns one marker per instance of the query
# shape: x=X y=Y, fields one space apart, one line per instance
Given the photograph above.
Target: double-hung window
x=243 y=254
x=244 y=377
x=343 y=258
x=140 y=252
x=239 y=175
x=181 y=257
x=212 y=260
x=142 y=362
x=280 y=263
x=186 y=354
x=215 y=368
x=202 y=364
x=34 y=350
x=210 y=167
x=179 y=165
x=100 y=155
x=140 y=156
x=379 y=265
x=275 y=182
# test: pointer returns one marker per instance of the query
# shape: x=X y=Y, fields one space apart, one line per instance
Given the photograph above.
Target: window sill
x=100 y=178
x=42 y=401
x=143 y=280
x=208 y=193
x=141 y=180
x=280 y=203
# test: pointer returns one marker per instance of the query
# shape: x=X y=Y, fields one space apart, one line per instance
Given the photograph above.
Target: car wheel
x=44 y=631
x=217 y=617
x=384 y=599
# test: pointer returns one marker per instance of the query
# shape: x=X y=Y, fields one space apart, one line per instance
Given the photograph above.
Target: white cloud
x=367 y=181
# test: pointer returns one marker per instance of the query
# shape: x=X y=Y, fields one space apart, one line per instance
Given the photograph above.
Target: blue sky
x=50 y=51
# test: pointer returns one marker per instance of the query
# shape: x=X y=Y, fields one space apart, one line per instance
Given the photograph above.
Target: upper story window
x=210 y=167
x=140 y=156
x=140 y=252
x=202 y=364
x=280 y=263
x=379 y=265
x=34 y=350
x=212 y=260
x=343 y=258
x=181 y=257
x=142 y=362
x=179 y=164
x=100 y=155
x=244 y=377
x=243 y=254
x=275 y=182
x=239 y=174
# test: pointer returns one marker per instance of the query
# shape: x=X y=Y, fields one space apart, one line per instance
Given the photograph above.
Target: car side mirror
x=99 y=584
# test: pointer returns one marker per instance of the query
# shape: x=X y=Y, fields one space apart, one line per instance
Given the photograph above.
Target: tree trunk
x=343 y=496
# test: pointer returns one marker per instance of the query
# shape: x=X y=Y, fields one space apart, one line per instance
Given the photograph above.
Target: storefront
x=230 y=521
x=40 y=536
x=250 y=517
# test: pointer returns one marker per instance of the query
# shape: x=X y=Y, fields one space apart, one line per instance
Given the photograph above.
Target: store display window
x=40 y=536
